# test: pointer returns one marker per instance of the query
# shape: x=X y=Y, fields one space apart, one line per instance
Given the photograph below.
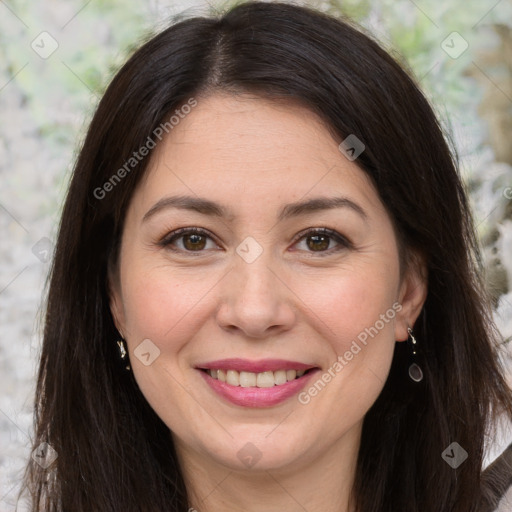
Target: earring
x=415 y=372
x=123 y=354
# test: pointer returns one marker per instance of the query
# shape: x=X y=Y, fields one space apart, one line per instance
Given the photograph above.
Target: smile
x=256 y=383
x=260 y=380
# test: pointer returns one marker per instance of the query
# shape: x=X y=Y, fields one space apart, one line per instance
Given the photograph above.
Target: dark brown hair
x=114 y=453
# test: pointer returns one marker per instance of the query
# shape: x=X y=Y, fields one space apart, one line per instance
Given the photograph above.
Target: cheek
x=357 y=316
x=354 y=301
x=159 y=300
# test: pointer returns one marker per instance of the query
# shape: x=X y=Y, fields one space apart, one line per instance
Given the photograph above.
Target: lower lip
x=258 y=397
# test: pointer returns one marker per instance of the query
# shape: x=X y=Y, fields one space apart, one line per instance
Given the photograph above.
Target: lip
x=258 y=397
x=246 y=365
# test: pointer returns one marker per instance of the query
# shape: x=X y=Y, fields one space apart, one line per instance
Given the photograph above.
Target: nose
x=256 y=300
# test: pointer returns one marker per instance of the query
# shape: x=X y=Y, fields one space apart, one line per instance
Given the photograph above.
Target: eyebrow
x=211 y=208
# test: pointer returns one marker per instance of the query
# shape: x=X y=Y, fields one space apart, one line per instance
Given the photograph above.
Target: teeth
x=265 y=380
x=247 y=379
x=280 y=377
x=260 y=380
x=233 y=378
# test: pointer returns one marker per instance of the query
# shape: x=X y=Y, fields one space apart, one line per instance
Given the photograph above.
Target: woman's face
x=254 y=294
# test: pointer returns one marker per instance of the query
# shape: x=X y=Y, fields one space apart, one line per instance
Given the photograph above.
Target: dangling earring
x=415 y=372
x=123 y=354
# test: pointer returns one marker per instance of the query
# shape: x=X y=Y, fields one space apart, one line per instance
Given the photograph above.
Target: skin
x=299 y=300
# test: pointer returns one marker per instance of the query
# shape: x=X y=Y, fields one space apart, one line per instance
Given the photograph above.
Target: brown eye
x=192 y=240
x=321 y=241
x=318 y=242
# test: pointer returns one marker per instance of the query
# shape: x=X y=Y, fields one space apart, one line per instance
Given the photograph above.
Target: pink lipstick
x=262 y=383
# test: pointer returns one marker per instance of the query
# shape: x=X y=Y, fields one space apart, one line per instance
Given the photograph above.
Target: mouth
x=256 y=383
x=267 y=379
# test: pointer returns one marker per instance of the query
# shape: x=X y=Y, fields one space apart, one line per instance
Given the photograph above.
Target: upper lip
x=247 y=365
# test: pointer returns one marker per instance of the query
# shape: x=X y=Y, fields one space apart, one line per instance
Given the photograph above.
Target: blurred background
x=57 y=57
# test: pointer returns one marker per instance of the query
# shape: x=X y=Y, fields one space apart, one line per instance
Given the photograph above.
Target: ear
x=412 y=296
x=115 y=301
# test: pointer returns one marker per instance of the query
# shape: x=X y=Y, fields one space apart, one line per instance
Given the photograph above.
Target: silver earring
x=415 y=372
x=123 y=354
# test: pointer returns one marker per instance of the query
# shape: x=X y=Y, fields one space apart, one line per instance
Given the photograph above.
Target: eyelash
x=343 y=242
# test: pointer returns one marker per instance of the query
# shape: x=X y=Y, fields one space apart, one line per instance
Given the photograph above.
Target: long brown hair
x=114 y=452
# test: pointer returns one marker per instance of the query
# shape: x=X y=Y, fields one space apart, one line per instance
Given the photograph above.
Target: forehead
x=244 y=146
x=234 y=128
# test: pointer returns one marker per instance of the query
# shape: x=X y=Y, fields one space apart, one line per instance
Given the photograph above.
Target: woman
x=264 y=294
